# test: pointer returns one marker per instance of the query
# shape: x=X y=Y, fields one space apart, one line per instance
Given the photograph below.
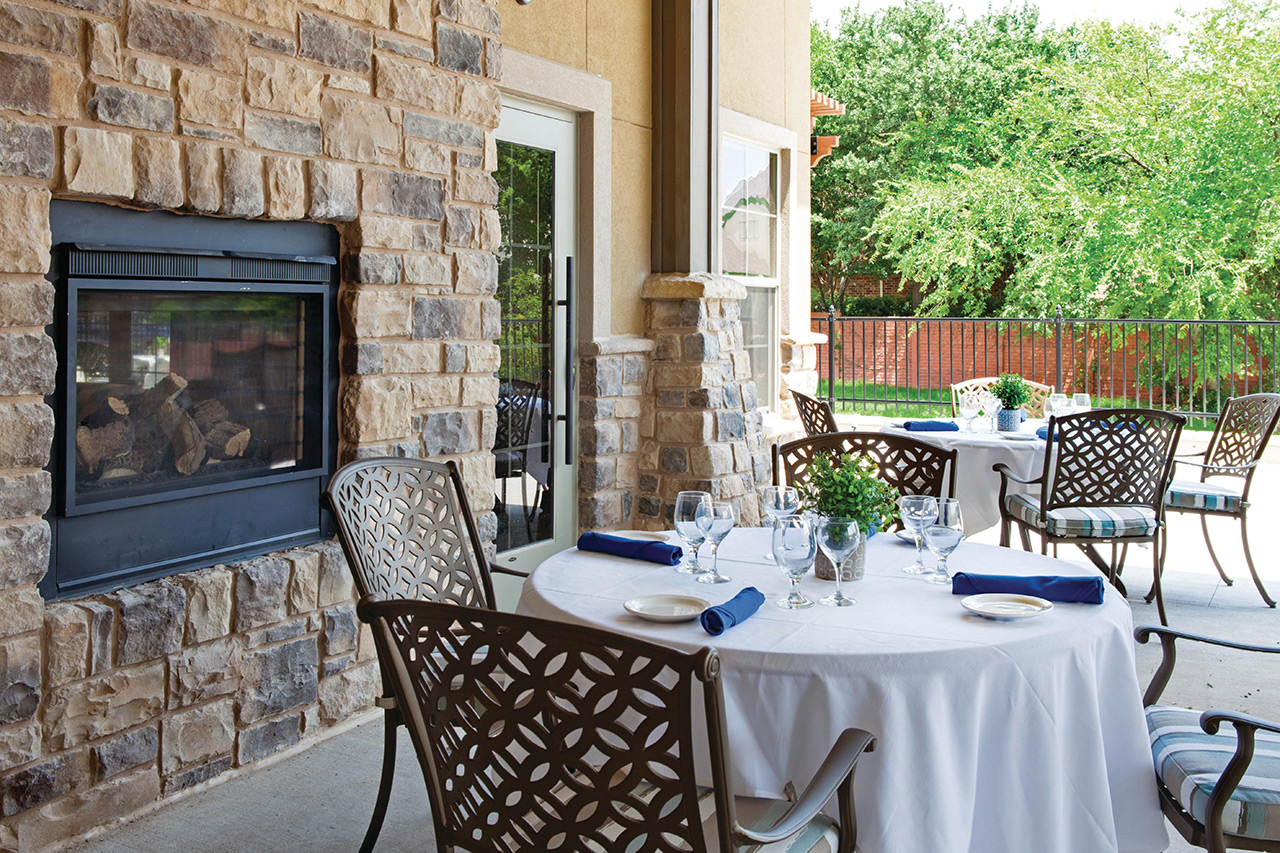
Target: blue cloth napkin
x=640 y=549
x=737 y=609
x=1043 y=432
x=931 y=426
x=1078 y=589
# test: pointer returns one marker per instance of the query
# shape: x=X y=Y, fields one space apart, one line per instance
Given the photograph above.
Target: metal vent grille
x=132 y=264
x=263 y=269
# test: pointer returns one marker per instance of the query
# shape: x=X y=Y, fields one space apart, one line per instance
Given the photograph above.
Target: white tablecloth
x=977 y=486
x=995 y=737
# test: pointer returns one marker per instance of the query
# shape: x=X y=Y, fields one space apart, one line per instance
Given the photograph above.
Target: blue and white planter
x=1010 y=420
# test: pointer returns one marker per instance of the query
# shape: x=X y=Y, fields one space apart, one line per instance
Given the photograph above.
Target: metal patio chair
x=540 y=735
x=1221 y=790
x=518 y=402
x=1034 y=407
x=1103 y=482
x=1244 y=427
x=408 y=534
x=815 y=414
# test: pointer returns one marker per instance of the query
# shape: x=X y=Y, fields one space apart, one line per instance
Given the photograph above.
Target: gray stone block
x=438 y=318
x=648 y=506
x=693 y=312
x=730 y=426
x=673 y=460
x=283 y=134
x=196 y=775
x=592 y=409
x=262 y=587
x=733 y=396
x=707 y=398
x=19 y=678
x=701 y=346
x=333 y=191
x=340 y=630
x=459 y=50
x=25 y=494
x=26 y=150
x=362 y=359
x=490 y=319
x=278 y=679
x=130 y=108
x=596 y=474
x=334 y=43
x=127 y=751
x=447 y=433
x=649 y=483
x=601 y=439
x=152 y=619
x=487 y=526
x=455 y=358
x=630 y=436
x=443 y=130
x=375 y=268
x=37 y=784
x=602 y=377
x=268 y=738
x=28 y=364
x=274 y=43
x=669 y=399
x=406 y=48
x=750 y=396
x=633 y=368
x=403 y=194
x=337 y=665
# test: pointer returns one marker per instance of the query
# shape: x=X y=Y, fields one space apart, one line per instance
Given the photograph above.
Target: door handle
x=567 y=417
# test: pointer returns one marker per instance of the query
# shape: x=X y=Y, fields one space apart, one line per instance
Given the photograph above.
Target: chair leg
x=391 y=721
x=1217 y=564
x=1157 y=569
x=1004 y=530
x=1025 y=537
x=848 y=817
x=1248 y=558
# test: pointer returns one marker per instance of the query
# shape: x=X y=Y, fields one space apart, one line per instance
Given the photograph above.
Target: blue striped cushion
x=1207 y=496
x=1095 y=522
x=1189 y=762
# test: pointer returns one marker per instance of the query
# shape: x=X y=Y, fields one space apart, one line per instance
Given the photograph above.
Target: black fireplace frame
x=107 y=544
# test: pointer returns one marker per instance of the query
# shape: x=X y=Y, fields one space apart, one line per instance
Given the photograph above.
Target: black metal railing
x=904 y=366
x=526 y=350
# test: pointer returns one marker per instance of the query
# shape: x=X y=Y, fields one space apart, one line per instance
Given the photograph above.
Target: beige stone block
x=286 y=188
x=478 y=187
x=741 y=456
x=66 y=629
x=386 y=232
x=148 y=72
x=626 y=407
x=348 y=83
x=491 y=152
x=479 y=391
x=195 y=736
x=104 y=704
x=414 y=357
x=412 y=17
x=741 y=364
x=423 y=155
x=733 y=487
x=304 y=580
x=77 y=813
x=104 y=50
x=204 y=177
x=477 y=478
x=684 y=427
x=367 y=649
x=424 y=87
x=435 y=392
x=204 y=672
x=479 y=103
x=243 y=192
x=376 y=409
x=159 y=171
x=371 y=313
x=24 y=229
x=208 y=604
x=19 y=745
x=349 y=691
x=21 y=610
x=490 y=229
x=277 y=14
x=428 y=270
x=210 y=99
x=283 y=86
x=361 y=131
x=483 y=358
x=713 y=460
x=39 y=86
x=376 y=12
x=625 y=475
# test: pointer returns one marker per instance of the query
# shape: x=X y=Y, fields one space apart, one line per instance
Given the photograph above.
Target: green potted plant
x=1013 y=392
x=848 y=486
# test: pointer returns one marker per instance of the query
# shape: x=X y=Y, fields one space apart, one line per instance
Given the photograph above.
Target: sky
x=1057 y=11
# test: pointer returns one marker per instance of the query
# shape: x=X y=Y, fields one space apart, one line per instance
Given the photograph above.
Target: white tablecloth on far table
x=977 y=486
x=994 y=737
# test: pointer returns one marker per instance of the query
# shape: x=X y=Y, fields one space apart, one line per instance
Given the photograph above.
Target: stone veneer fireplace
x=373 y=117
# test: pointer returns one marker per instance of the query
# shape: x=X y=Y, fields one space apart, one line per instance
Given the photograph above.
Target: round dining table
x=1020 y=736
x=977 y=485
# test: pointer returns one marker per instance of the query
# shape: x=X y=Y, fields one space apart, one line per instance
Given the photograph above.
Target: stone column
x=706 y=432
x=799 y=369
x=612 y=408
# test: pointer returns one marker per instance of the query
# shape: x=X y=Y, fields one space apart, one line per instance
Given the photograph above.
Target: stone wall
x=615 y=407
x=374 y=115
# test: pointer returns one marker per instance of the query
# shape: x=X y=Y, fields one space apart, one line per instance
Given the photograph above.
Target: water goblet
x=838 y=538
x=1057 y=404
x=990 y=407
x=943 y=536
x=916 y=512
x=795 y=545
x=715 y=520
x=779 y=502
x=686 y=512
x=1083 y=403
x=970 y=405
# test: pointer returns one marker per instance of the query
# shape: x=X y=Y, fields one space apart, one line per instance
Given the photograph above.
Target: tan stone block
x=478 y=478
x=490 y=229
x=426 y=156
x=428 y=270
x=210 y=99
x=19 y=745
x=424 y=87
x=625 y=476
x=376 y=409
x=626 y=407
x=286 y=188
x=204 y=672
x=386 y=232
x=208 y=604
x=483 y=358
x=21 y=610
x=376 y=12
x=412 y=17
x=373 y=313
x=283 y=86
x=66 y=629
x=304 y=580
x=39 y=86
x=349 y=691
x=195 y=39
x=477 y=272
x=24 y=229
x=204 y=177
x=478 y=187
x=733 y=487
x=479 y=103
x=684 y=427
x=275 y=14
x=243 y=193
x=435 y=392
x=367 y=649
x=490 y=152
x=195 y=736
x=713 y=460
x=104 y=704
x=415 y=357
x=158 y=166
x=479 y=391
x=347 y=83
x=104 y=50
x=77 y=813
x=360 y=130
x=741 y=364
x=148 y=72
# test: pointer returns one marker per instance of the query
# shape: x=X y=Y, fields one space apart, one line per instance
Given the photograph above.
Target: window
x=749 y=250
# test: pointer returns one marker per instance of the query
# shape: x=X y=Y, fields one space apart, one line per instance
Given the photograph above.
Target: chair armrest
x=1169 y=654
x=1246 y=727
x=1220 y=467
x=1006 y=472
x=1210 y=721
x=503 y=570
x=836 y=768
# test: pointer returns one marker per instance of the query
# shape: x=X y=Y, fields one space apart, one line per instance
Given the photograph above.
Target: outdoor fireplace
x=195 y=399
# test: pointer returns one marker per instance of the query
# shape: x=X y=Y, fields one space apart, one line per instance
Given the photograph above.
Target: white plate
x=906 y=536
x=1021 y=436
x=1003 y=605
x=667 y=608
x=646 y=535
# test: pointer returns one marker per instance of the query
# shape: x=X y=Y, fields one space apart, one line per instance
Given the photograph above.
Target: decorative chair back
x=815 y=414
x=1111 y=457
x=1034 y=406
x=515 y=407
x=912 y=466
x=1244 y=427
x=523 y=725
x=408 y=533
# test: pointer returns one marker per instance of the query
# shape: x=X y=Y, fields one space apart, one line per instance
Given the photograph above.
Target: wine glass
x=715 y=520
x=686 y=513
x=1083 y=403
x=838 y=538
x=990 y=407
x=970 y=405
x=1057 y=404
x=779 y=502
x=795 y=545
x=916 y=512
x=943 y=536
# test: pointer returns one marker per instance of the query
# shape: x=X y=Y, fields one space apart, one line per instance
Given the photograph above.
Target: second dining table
x=993 y=735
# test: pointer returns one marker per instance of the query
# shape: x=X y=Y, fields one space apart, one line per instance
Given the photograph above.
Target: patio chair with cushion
x=912 y=466
x=541 y=735
x=1220 y=789
x=1034 y=407
x=518 y=404
x=408 y=534
x=1244 y=427
x=1103 y=483
x=815 y=414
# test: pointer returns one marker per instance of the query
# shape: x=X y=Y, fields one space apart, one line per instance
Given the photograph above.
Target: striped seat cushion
x=1189 y=762
x=1190 y=494
x=1094 y=522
